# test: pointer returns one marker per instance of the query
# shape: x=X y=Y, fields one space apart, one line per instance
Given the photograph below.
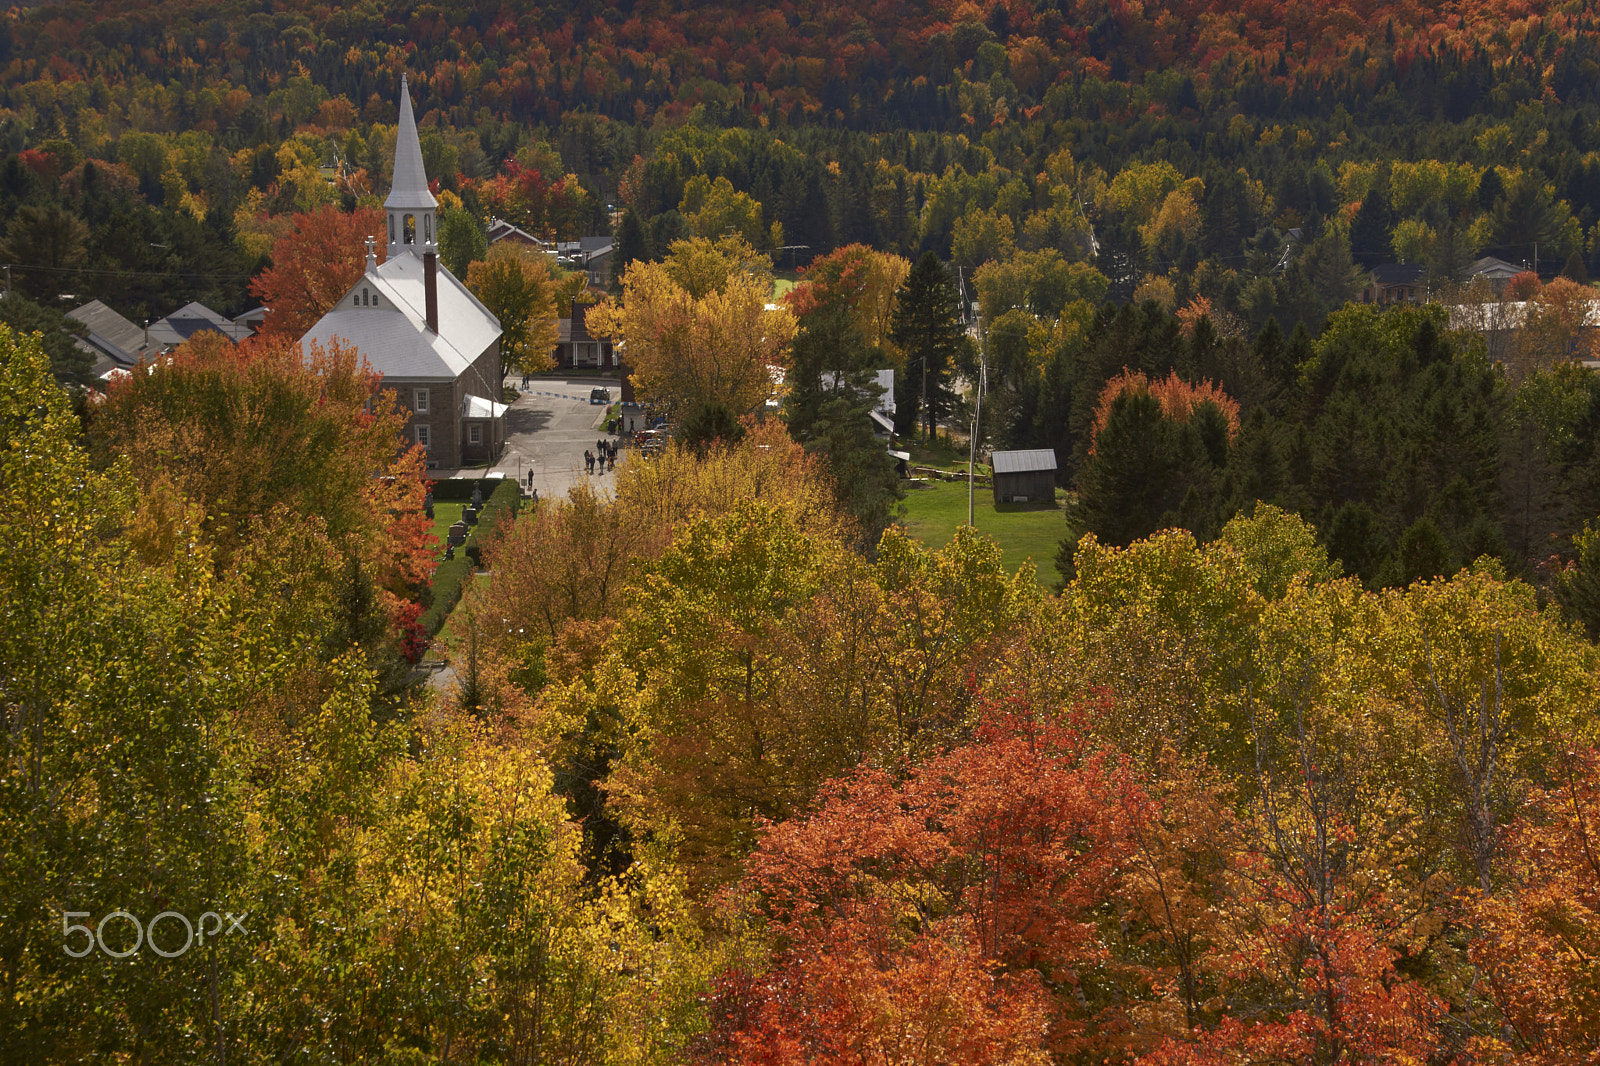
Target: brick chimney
x=430 y=284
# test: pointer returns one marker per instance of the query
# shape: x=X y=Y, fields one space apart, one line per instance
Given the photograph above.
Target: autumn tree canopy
x=514 y=282
x=697 y=326
x=314 y=264
x=261 y=434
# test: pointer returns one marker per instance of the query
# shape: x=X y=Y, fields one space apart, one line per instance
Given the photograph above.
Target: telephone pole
x=977 y=420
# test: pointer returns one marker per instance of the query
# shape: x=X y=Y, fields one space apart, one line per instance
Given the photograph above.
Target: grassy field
x=1022 y=530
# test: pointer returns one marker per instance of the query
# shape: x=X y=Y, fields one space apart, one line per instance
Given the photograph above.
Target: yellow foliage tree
x=699 y=328
x=716 y=209
x=1177 y=220
x=515 y=284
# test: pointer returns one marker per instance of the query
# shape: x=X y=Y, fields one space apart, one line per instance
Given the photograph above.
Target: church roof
x=410 y=185
x=394 y=335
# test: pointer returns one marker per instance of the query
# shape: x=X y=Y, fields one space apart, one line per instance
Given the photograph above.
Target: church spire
x=411 y=207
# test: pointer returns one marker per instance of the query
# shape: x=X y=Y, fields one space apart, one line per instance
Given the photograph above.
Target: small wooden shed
x=1024 y=477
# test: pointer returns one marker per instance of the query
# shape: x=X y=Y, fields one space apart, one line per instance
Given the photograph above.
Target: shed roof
x=1023 y=462
x=478 y=407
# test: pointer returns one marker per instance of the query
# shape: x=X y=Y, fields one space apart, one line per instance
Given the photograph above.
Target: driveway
x=547 y=431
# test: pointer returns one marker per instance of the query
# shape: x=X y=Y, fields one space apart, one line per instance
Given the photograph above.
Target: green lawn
x=1022 y=530
x=445 y=515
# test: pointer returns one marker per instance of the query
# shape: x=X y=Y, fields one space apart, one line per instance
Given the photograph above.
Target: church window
x=410 y=225
x=427 y=228
x=391 y=229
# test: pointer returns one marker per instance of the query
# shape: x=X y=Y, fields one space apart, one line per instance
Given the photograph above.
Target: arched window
x=391 y=229
x=427 y=229
x=411 y=229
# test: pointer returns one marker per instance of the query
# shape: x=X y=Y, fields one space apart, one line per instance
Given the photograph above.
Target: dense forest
x=1299 y=766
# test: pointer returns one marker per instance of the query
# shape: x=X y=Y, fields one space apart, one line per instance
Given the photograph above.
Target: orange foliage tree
x=945 y=917
x=314 y=264
x=1539 y=939
x=1560 y=325
x=1178 y=399
x=859 y=282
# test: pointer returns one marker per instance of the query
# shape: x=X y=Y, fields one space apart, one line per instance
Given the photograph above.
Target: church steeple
x=412 y=210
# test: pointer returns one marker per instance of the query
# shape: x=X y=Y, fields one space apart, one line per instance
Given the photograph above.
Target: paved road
x=548 y=429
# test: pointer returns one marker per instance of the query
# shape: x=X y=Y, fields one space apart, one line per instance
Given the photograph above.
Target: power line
x=124 y=273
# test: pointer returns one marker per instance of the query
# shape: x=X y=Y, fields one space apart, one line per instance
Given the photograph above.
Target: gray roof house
x=194 y=317
x=1497 y=272
x=113 y=341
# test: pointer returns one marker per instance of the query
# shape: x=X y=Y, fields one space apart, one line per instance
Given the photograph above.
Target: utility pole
x=925 y=419
x=977 y=419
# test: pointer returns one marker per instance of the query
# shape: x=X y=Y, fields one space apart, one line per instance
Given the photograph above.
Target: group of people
x=604 y=456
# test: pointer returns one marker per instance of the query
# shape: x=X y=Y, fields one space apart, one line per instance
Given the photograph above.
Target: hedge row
x=459 y=489
x=441 y=597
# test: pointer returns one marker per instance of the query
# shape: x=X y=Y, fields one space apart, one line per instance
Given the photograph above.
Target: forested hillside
x=1187 y=140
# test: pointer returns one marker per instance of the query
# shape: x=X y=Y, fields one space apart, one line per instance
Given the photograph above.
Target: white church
x=430 y=338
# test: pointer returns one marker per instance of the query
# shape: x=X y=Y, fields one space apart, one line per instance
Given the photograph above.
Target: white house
x=419 y=327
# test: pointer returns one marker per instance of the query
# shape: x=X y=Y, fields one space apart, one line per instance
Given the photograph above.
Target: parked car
x=600 y=396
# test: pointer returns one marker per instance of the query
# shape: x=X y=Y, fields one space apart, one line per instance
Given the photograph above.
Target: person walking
x=588 y=461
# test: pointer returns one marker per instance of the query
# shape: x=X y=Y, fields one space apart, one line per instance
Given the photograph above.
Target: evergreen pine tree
x=633 y=243
x=832 y=392
x=927 y=327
